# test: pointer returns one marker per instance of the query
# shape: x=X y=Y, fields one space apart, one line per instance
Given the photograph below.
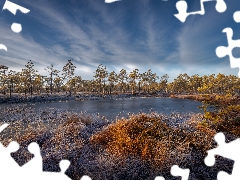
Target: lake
x=110 y=108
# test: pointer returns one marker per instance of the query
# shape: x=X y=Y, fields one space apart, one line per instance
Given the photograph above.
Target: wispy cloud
x=198 y=39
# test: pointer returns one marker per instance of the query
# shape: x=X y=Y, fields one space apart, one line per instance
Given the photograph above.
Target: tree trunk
x=70 y=91
x=31 y=89
x=10 y=92
x=139 y=87
x=51 y=83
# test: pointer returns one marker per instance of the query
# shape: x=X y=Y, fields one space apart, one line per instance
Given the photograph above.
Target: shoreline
x=15 y=99
x=91 y=96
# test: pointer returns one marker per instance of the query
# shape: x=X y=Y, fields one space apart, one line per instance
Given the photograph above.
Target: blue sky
x=127 y=34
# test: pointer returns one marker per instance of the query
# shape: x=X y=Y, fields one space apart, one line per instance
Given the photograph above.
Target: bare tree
x=101 y=74
x=52 y=72
x=29 y=74
x=68 y=73
x=3 y=78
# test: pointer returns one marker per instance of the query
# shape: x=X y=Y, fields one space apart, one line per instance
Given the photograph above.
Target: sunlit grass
x=147 y=136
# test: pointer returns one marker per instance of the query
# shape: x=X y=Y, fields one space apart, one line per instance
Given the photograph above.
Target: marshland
x=124 y=90
x=119 y=125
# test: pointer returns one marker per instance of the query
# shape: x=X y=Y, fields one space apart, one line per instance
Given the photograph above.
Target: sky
x=127 y=34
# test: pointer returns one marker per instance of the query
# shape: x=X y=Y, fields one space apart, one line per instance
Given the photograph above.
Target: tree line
x=29 y=81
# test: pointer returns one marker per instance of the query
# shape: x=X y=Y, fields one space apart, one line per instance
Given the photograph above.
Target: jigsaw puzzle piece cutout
x=111 y=1
x=177 y=171
x=3 y=126
x=225 y=176
x=182 y=15
x=2 y=46
x=12 y=7
x=64 y=164
x=7 y=163
x=182 y=7
x=35 y=164
x=221 y=6
x=85 y=177
x=228 y=150
x=9 y=169
x=5 y=156
x=159 y=178
x=222 y=51
x=236 y=16
x=35 y=167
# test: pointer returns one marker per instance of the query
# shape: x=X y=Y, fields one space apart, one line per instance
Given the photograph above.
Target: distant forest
x=30 y=82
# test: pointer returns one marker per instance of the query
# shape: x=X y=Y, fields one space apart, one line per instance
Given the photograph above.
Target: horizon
x=170 y=78
x=126 y=34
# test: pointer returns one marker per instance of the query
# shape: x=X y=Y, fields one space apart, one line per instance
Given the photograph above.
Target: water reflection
x=111 y=108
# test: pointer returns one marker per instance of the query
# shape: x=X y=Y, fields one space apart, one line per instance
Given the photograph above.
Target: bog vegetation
x=141 y=146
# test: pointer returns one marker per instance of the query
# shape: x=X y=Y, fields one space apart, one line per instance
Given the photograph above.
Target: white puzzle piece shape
x=222 y=51
x=31 y=170
x=12 y=7
x=177 y=171
x=182 y=7
x=228 y=150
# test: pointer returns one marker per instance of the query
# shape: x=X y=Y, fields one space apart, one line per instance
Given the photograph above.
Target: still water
x=111 y=108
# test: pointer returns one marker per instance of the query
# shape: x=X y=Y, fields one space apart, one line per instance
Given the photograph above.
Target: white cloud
x=109 y=42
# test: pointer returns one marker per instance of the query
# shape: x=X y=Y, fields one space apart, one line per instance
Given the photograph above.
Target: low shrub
x=147 y=136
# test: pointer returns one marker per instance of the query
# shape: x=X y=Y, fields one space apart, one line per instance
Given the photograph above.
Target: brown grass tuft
x=147 y=136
